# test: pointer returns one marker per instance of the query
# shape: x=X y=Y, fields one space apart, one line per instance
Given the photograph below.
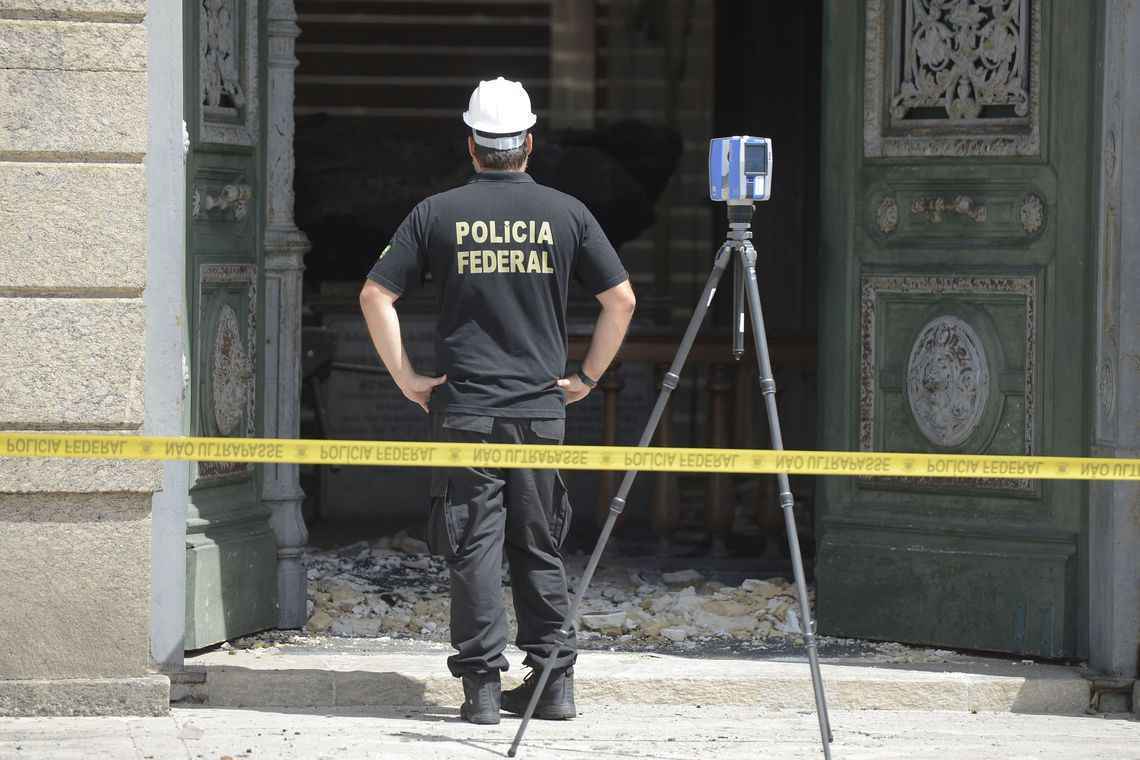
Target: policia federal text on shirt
x=502 y=251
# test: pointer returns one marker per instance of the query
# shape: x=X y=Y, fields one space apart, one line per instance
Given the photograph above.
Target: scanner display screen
x=755 y=159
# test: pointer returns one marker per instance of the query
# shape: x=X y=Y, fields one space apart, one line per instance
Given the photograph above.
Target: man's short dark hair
x=511 y=160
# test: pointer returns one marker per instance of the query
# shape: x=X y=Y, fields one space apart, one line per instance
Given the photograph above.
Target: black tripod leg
x=617 y=504
x=768 y=388
x=738 y=308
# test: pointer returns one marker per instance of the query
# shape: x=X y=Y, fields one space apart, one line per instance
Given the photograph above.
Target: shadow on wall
x=356 y=180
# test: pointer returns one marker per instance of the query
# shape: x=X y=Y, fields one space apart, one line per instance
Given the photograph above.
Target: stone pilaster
x=167 y=401
x=1114 y=507
x=285 y=248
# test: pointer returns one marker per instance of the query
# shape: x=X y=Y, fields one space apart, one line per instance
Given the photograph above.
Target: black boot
x=481 y=696
x=556 y=702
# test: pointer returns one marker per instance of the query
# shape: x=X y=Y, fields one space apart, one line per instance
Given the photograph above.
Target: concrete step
x=416 y=675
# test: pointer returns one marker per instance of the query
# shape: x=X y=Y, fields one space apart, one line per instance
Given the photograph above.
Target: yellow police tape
x=409 y=454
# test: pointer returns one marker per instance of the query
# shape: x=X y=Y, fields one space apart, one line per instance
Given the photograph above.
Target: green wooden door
x=955 y=210
x=231 y=550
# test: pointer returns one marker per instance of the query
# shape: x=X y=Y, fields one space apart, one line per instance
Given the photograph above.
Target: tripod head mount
x=740 y=220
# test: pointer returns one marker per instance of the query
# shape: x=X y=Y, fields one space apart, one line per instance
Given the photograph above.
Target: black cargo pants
x=476 y=513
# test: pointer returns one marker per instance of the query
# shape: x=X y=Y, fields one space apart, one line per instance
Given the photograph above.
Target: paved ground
x=662 y=732
x=390 y=699
x=374 y=672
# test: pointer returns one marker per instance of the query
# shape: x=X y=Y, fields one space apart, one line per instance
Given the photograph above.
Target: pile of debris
x=394 y=587
x=684 y=605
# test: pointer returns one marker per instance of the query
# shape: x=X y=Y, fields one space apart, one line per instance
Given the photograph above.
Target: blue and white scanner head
x=740 y=169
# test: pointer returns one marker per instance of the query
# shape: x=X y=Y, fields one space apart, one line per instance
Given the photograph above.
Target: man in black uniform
x=502 y=251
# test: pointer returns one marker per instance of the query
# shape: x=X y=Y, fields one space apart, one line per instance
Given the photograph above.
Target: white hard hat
x=500 y=107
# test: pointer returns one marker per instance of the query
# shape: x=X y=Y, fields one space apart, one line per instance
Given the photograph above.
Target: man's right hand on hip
x=418 y=388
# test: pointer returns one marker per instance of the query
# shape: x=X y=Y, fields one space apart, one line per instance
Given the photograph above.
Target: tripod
x=746 y=290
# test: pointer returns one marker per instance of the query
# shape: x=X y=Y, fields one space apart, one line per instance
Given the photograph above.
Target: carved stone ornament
x=888 y=215
x=877 y=287
x=947 y=380
x=960 y=57
x=1032 y=214
x=1106 y=386
x=231 y=373
x=227 y=77
x=221 y=76
x=230 y=201
x=934 y=208
x=230 y=403
x=1110 y=156
x=952 y=77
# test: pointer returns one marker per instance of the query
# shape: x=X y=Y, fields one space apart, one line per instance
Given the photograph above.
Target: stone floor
x=342 y=672
x=660 y=732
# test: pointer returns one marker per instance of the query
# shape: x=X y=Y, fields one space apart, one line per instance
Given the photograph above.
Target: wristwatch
x=588 y=381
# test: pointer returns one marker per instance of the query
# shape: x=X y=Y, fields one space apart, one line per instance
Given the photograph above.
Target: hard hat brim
x=485 y=125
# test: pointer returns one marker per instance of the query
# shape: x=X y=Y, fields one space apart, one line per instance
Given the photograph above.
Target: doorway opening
x=628 y=93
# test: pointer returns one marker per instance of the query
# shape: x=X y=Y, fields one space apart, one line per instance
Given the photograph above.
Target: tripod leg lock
x=671 y=380
x=787 y=501
x=767 y=386
x=617 y=505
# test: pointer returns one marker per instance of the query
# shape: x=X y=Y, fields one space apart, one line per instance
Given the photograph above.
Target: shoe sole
x=549 y=712
x=480 y=720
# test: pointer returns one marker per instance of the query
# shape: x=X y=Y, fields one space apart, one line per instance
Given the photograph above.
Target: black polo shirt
x=502 y=250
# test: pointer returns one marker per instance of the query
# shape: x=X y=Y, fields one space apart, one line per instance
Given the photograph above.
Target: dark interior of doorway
x=380 y=86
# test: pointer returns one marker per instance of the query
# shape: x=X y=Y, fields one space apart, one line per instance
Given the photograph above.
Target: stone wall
x=74 y=536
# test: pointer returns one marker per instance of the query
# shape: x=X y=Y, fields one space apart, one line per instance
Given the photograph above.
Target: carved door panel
x=231 y=551
x=953 y=245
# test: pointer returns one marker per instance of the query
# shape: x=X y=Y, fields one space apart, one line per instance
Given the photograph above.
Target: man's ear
x=529 y=143
x=471 y=150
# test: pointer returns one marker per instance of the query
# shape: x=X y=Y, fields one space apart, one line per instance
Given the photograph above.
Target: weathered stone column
x=285 y=248
x=1114 y=508
x=167 y=327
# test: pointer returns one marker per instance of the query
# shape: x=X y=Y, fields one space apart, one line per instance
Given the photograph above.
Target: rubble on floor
x=393 y=587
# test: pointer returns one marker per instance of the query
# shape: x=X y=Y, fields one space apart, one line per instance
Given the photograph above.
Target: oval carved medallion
x=947 y=380
x=230 y=373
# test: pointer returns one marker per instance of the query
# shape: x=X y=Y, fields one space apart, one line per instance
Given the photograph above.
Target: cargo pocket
x=549 y=430
x=560 y=527
x=470 y=423
x=441 y=539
